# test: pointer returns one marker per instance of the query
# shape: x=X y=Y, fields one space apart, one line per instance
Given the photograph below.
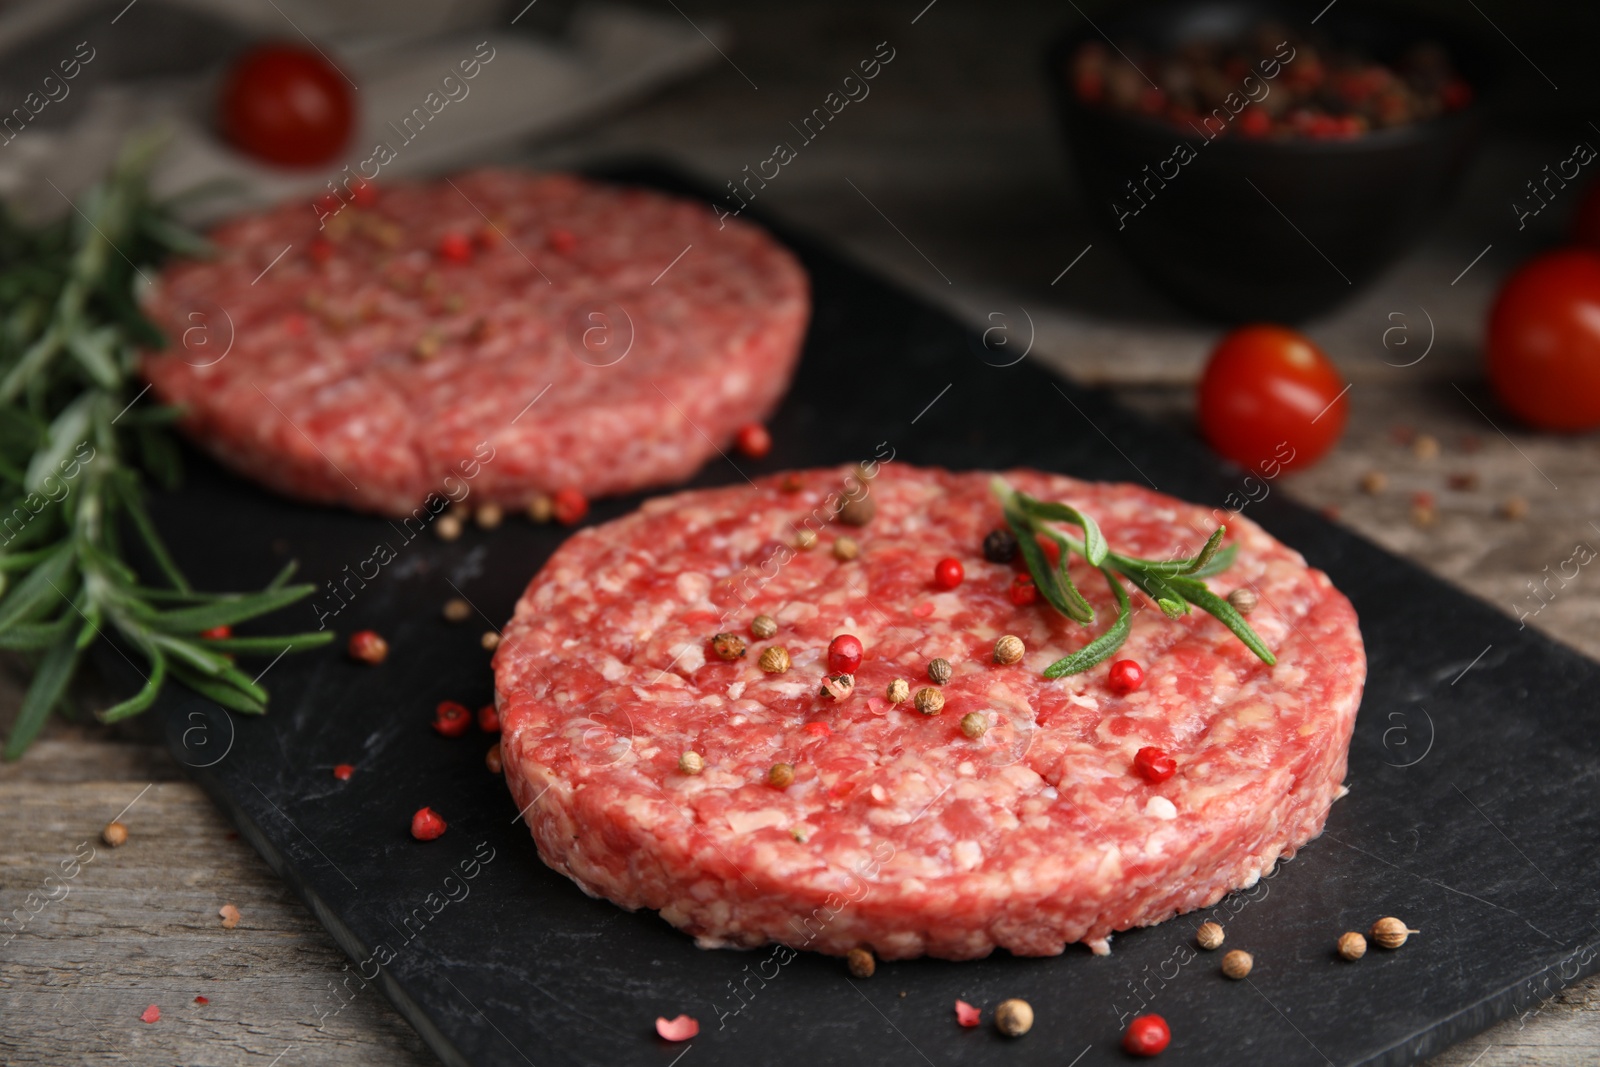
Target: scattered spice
x=1425 y=447
x=1147 y=1035
x=426 y=346
x=753 y=440
x=781 y=776
x=1244 y=600
x=541 y=508
x=1374 y=482
x=367 y=647
x=691 y=763
x=1352 y=946
x=974 y=724
x=1154 y=765
x=455 y=248
x=929 y=700
x=680 y=1029
x=1514 y=508
x=217 y=633
x=115 y=834
x=1464 y=481
x=1124 y=677
x=1423 y=511
x=426 y=825
x=1237 y=964
x=569 y=506
x=1023 y=591
x=775 y=660
x=202 y=1000
x=1013 y=1017
x=343 y=771
x=451 y=719
x=805 y=540
x=948 y=573
x=763 y=626
x=1008 y=650
x=489 y=719
x=457 y=610
x=857 y=512
x=447 y=527
x=967 y=1015
x=1390 y=932
x=152 y=1014
x=798 y=833
x=728 y=646
x=861 y=963
x=1000 y=546
x=939 y=670
x=493 y=760
x=845 y=549
x=844 y=654
x=490 y=640
x=1209 y=936
x=230 y=916
x=898 y=692
x=791 y=484
x=839 y=686
x=818 y=729
x=490 y=515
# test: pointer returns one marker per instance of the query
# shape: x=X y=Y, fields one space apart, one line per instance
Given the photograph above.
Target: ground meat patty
x=394 y=352
x=900 y=832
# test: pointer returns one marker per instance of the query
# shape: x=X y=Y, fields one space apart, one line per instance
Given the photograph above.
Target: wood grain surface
x=949 y=177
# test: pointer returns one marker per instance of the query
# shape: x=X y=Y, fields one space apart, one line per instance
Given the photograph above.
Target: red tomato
x=1270 y=400
x=1544 y=341
x=285 y=104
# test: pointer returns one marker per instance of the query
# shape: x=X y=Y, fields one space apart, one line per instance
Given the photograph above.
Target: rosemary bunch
x=73 y=450
x=1173 y=584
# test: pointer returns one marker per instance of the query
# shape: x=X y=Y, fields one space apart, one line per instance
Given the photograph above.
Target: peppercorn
x=974 y=724
x=1352 y=946
x=857 y=512
x=1514 y=508
x=861 y=963
x=791 y=484
x=1390 y=932
x=492 y=759
x=753 y=440
x=1209 y=936
x=948 y=573
x=929 y=700
x=898 y=691
x=1124 y=676
x=1244 y=600
x=1425 y=447
x=343 y=771
x=1237 y=964
x=839 y=686
x=728 y=646
x=426 y=825
x=691 y=763
x=115 y=834
x=457 y=610
x=844 y=654
x=541 y=508
x=781 y=776
x=775 y=660
x=1147 y=1035
x=763 y=626
x=490 y=640
x=451 y=718
x=1008 y=650
x=489 y=515
x=805 y=540
x=845 y=549
x=489 y=719
x=1464 y=481
x=1374 y=482
x=939 y=670
x=229 y=915
x=447 y=527
x=569 y=506
x=367 y=647
x=1000 y=546
x=1013 y=1017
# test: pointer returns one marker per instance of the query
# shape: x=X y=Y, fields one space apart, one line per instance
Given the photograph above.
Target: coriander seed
x=805 y=540
x=1244 y=600
x=457 y=610
x=1013 y=1017
x=939 y=670
x=845 y=549
x=728 y=646
x=490 y=515
x=1390 y=932
x=1008 y=650
x=492 y=759
x=861 y=963
x=775 y=660
x=541 y=508
x=929 y=700
x=115 y=834
x=781 y=776
x=974 y=724
x=1209 y=936
x=857 y=512
x=1352 y=946
x=691 y=763
x=1237 y=964
x=763 y=626
x=1514 y=508
x=447 y=527
x=899 y=691
x=1374 y=482
x=490 y=640
x=1425 y=447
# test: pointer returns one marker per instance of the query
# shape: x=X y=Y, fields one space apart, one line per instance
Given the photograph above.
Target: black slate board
x=1473 y=780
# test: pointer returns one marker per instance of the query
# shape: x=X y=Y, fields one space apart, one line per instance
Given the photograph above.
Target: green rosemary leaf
x=227 y=609
x=1209 y=550
x=145 y=696
x=1102 y=647
x=1094 y=542
x=49 y=683
x=1053 y=584
x=218 y=692
x=274 y=644
x=33 y=636
x=1158 y=588
x=1196 y=593
x=42 y=587
x=1219 y=563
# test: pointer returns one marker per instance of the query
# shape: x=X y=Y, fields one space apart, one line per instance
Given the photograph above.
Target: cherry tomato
x=1544 y=341
x=285 y=104
x=1270 y=400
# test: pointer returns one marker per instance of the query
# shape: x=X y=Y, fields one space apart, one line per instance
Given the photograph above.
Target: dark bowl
x=1266 y=229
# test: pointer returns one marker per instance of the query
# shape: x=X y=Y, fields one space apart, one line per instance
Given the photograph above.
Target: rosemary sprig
x=73 y=450
x=1173 y=584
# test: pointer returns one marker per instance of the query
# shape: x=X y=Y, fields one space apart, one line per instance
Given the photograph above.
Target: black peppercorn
x=1000 y=546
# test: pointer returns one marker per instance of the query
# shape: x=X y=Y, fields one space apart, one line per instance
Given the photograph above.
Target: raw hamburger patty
x=368 y=365
x=899 y=832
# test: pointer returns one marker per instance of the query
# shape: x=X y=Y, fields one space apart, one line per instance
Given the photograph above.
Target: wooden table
x=948 y=177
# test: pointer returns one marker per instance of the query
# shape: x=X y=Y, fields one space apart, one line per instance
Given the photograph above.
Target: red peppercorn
x=1154 y=765
x=818 y=729
x=569 y=506
x=216 y=633
x=455 y=248
x=451 y=719
x=1255 y=122
x=321 y=250
x=426 y=825
x=1124 y=677
x=367 y=647
x=1023 y=591
x=1148 y=1035
x=753 y=440
x=563 y=241
x=489 y=719
x=343 y=771
x=844 y=654
x=947 y=573
x=202 y=1000
x=364 y=194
